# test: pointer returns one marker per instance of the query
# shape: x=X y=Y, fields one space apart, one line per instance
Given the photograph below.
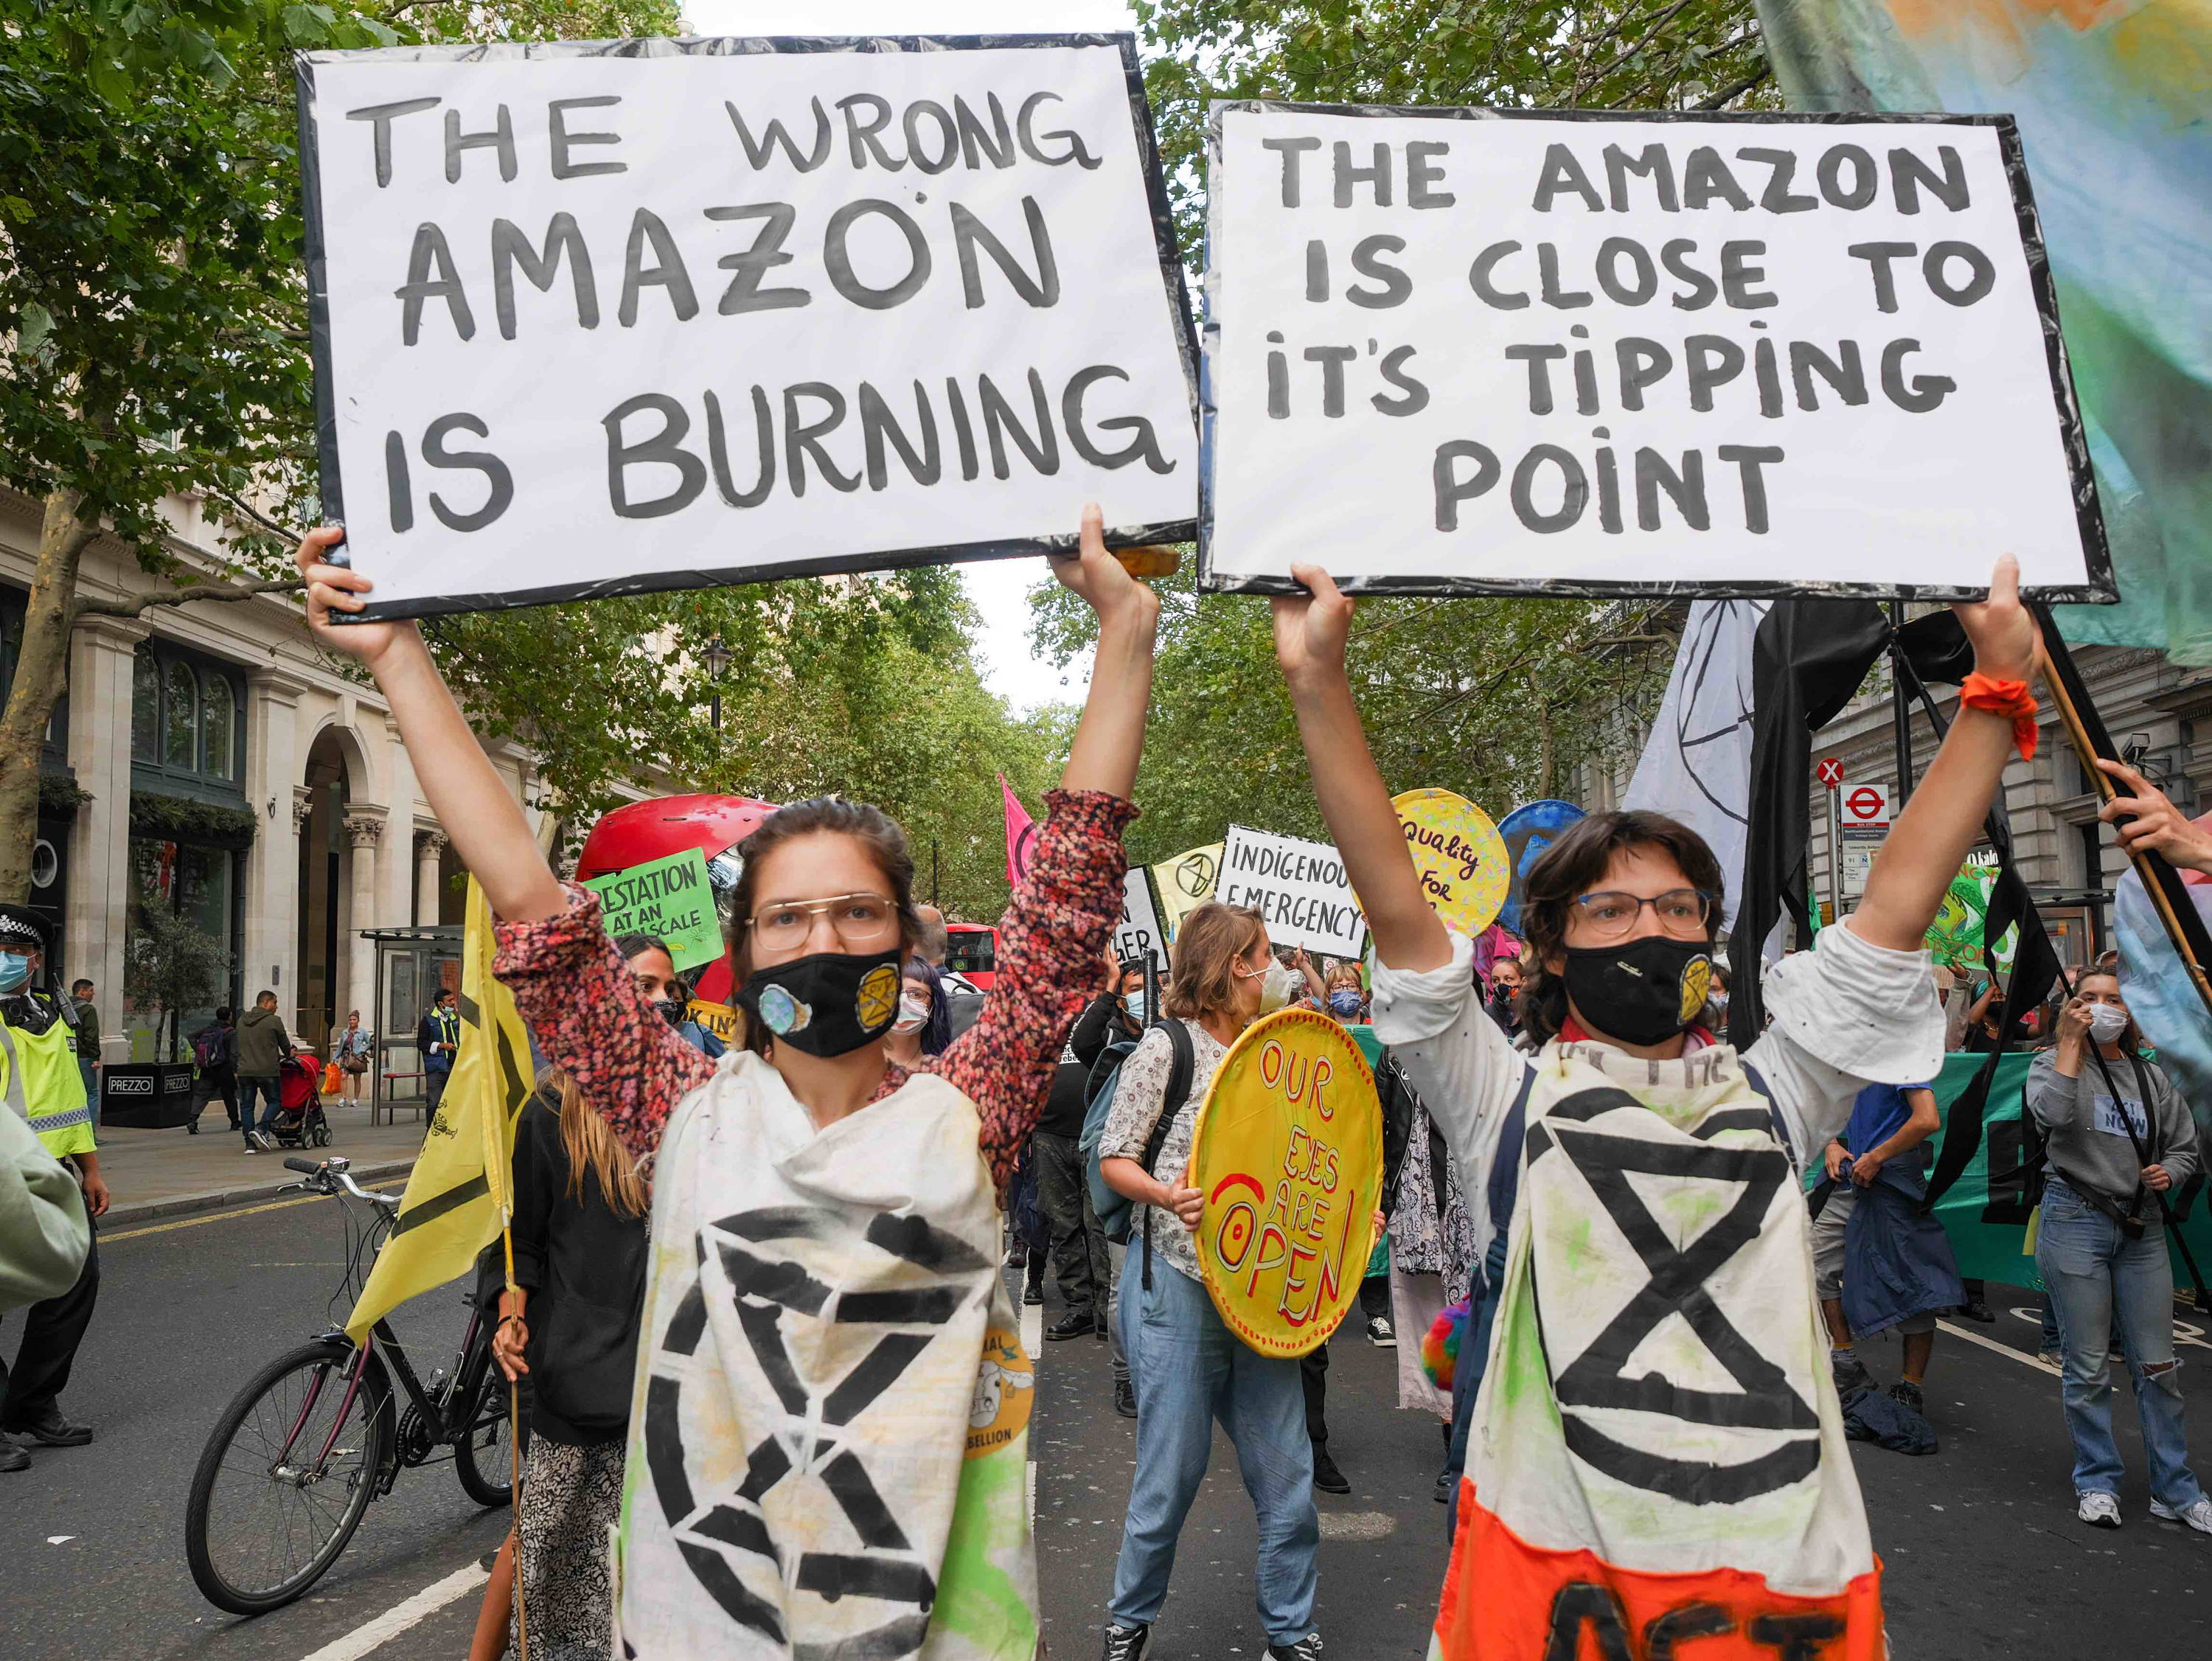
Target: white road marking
x=2006 y=1349
x=1033 y=1343
x=372 y=1635
x=1357 y=1524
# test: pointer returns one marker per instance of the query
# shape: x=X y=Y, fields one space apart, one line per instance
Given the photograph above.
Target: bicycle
x=314 y=1436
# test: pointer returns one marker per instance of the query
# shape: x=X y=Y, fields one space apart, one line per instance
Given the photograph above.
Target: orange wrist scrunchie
x=2010 y=698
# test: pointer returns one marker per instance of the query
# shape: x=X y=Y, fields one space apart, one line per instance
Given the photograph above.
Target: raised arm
x=1310 y=631
x=1938 y=827
x=2157 y=826
x=485 y=822
x=555 y=955
x=1053 y=936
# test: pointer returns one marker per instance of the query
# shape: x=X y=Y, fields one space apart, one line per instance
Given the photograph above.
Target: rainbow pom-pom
x=1440 y=1344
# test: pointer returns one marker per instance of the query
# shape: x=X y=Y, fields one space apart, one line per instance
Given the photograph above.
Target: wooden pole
x=2149 y=866
x=515 y=1460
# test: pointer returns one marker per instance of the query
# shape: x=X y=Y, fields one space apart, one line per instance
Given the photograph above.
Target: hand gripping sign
x=1289 y=1156
x=1464 y=868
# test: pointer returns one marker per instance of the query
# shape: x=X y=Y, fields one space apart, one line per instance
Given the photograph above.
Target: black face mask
x=1642 y=992
x=827 y=1005
x=673 y=1010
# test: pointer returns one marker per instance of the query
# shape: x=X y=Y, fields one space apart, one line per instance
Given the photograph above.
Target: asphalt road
x=1982 y=1555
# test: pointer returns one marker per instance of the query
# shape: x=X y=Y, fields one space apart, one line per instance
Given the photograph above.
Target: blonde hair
x=590 y=1145
x=1202 y=978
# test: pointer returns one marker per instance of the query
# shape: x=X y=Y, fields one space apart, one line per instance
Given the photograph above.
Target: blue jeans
x=248 y=1086
x=2095 y=1273
x=1190 y=1370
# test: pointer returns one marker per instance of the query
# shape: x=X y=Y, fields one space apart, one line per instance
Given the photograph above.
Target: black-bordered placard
x=598 y=317
x=1579 y=352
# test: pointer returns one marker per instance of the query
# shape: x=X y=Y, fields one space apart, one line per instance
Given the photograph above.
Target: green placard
x=670 y=897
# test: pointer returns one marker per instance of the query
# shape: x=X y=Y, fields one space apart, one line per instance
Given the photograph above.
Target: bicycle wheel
x=284 y=1478
x=484 y=1458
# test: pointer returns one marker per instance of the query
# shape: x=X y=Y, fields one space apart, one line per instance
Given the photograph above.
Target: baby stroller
x=300 y=1122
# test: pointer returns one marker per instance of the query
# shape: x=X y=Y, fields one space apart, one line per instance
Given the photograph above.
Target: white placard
x=604 y=317
x=1140 y=931
x=1299 y=887
x=1468 y=351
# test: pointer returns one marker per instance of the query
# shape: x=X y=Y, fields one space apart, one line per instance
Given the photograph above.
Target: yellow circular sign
x=1465 y=872
x=1288 y=1155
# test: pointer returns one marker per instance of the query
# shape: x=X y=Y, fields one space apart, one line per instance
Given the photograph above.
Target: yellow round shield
x=1289 y=1156
x=1464 y=868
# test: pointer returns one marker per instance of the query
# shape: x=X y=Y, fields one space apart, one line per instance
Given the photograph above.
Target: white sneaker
x=2199 y=1516
x=2098 y=1508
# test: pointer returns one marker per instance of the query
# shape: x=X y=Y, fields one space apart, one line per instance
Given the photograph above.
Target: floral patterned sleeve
x=589 y=1017
x=1050 y=943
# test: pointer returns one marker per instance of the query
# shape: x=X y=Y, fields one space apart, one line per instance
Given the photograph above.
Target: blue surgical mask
x=1343 y=1001
x=1135 y=1001
x=14 y=970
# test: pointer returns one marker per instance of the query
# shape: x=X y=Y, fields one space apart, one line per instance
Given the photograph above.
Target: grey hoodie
x=2089 y=1146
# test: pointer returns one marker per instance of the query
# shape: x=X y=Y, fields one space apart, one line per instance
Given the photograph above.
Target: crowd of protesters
x=1620 y=907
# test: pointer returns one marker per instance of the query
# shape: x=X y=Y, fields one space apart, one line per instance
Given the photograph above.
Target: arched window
x=216 y=699
x=181 y=724
x=145 y=707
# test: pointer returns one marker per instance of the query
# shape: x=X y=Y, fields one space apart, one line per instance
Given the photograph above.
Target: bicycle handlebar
x=331 y=1177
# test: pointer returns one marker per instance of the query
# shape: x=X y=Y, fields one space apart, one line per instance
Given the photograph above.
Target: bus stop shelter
x=412 y=967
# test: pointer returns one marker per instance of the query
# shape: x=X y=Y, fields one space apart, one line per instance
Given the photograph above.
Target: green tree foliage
x=1497 y=699
x=169 y=966
x=1581 y=54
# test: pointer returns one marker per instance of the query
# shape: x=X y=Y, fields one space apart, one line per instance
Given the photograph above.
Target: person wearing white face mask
x=1189 y=1369
x=923 y=1026
x=2100 y=1244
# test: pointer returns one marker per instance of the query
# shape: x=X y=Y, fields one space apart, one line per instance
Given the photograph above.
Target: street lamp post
x=717 y=659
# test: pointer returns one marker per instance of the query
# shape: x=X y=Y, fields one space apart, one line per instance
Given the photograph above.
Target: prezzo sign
x=1139 y=931
x=1299 y=887
x=601 y=317
x=1496 y=351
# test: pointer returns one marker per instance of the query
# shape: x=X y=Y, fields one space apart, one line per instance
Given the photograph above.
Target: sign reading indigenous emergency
x=1463 y=862
x=604 y=317
x=1289 y=1154
x=1497 y=351
x=1299 y=887
x=670 y=899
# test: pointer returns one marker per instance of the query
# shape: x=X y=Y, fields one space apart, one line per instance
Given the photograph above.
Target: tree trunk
x=41 y=676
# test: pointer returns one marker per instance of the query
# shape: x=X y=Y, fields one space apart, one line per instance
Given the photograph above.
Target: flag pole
x=514 y=1452
x=2064 y=681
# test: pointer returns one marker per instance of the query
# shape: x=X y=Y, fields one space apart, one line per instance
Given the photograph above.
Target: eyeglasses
x=1682 y=913
x=860 y=920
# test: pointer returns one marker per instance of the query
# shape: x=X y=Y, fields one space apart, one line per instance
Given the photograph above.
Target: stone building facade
x=210 y=759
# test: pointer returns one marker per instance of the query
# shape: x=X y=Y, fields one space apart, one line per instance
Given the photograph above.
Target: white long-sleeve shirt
x=1845 y=1015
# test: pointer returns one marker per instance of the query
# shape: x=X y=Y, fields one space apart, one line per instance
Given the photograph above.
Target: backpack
x=1116 y=1210
x=211 y=1047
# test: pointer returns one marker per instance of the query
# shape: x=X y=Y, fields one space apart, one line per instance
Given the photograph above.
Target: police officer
x=42 y=1083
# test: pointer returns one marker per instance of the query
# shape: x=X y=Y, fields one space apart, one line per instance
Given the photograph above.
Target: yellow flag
x=1186 y=882
x=462 y=1188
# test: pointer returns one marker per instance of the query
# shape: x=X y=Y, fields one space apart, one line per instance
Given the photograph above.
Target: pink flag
x=1021 y=836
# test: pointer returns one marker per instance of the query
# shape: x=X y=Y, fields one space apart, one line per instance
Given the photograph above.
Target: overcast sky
x=999 y=587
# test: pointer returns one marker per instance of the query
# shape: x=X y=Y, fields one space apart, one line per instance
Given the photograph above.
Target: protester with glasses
x=829 y=1453
x=1619 y=1441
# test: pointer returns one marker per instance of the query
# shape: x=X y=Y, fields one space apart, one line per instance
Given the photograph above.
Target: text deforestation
x=590 y=323
x=1503 y=351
